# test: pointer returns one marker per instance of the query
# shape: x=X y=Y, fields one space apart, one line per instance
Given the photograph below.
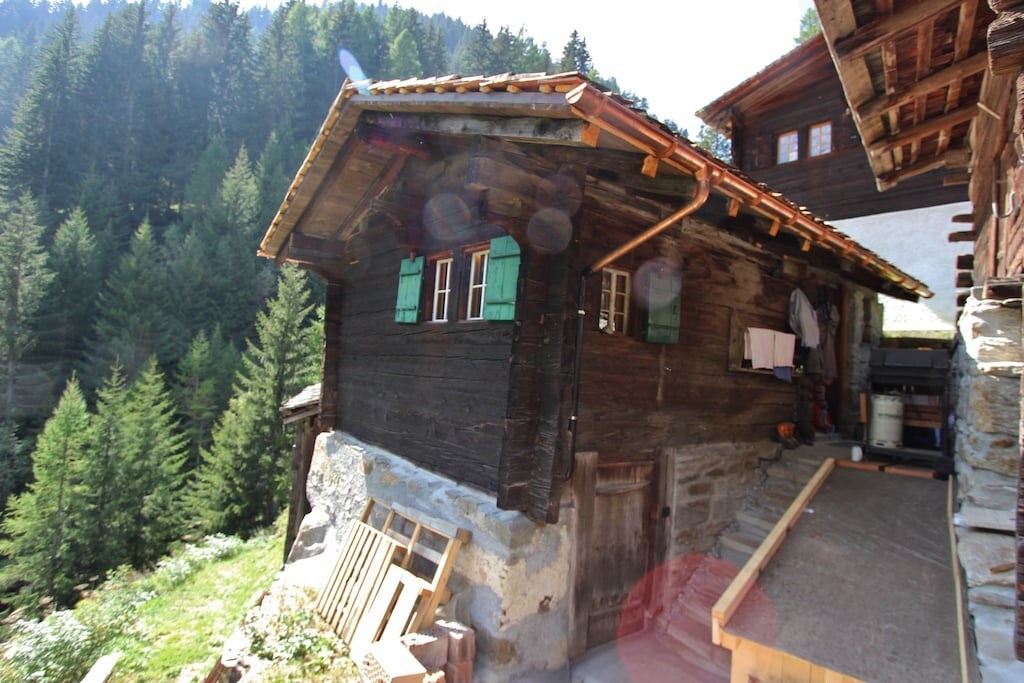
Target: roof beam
x=940 y=79
x=924 y=129
x=870 y=36
x=522 y=129
x=951 y=158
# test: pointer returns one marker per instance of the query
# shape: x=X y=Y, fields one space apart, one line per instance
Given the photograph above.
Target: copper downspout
x=617 y=119
x=705 y=178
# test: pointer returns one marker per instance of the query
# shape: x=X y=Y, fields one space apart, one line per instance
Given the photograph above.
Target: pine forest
x=144 y=348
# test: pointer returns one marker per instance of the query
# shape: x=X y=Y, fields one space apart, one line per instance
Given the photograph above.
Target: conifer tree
x=38 y=153
x=575 y=56
x=473 y=54
x=135 y=320
x=404 y=57
x=273 y=174
x=101 y=541
x=39 y=522
x=243 y=481
x=70 y=306
x=24 y=278
x=151 y=468
x=202 y=387
x=202 y=185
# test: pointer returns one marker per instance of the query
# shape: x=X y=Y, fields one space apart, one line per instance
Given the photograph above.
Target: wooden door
x=616 y=539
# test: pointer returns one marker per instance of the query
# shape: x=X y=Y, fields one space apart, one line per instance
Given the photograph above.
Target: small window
x=789 y=147
x=442 y=290
x=477 y=284
x=821 y=139
x=614 y=300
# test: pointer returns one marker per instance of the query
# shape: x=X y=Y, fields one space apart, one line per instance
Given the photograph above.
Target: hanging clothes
x=803 y=320
x=822 y=360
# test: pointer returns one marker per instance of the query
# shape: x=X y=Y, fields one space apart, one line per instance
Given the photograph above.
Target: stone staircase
x=685 y=627
x=783 y=481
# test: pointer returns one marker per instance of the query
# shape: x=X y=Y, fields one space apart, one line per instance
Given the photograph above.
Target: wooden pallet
x=390 y=576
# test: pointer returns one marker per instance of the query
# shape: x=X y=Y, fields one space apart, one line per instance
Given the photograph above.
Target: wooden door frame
x=584 y=488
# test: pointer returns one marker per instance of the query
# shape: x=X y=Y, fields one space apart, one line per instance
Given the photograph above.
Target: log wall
x=637 y=395
x=837 y=185
x=434 y=393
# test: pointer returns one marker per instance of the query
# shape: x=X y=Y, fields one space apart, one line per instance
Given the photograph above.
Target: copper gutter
x=705 y=179
x=617 y=119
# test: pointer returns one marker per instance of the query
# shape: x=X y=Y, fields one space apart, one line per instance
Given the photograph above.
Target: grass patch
x=186 y=625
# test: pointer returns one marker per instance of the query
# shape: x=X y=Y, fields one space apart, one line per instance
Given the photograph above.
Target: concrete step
x=744 y=542
x=789 y=473
x=757 y=519
x=734 y=557
x=778 y=498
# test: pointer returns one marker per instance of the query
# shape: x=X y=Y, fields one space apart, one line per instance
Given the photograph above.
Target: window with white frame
x=820 y=139
x=442 y=290
x=789 y=147
x=614 y=300
x=477 y=284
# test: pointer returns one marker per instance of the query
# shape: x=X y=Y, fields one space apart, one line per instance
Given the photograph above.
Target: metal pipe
x=704 y=182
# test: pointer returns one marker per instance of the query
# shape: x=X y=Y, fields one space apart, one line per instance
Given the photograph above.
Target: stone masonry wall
x=511 y=581
x=711 y=483
x=987 y=368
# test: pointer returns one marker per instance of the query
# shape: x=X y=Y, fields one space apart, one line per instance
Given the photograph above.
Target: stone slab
x=993 y=631
x=987 y=518
x=981 y=551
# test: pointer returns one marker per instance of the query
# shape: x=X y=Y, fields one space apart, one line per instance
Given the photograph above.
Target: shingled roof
x=606 y=120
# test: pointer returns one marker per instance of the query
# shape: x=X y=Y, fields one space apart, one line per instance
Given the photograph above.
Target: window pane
x=789 y=149
x=821 y=139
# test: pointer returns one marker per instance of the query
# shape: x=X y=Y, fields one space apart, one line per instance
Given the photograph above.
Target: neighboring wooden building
x=536 y=300
x=791 y=127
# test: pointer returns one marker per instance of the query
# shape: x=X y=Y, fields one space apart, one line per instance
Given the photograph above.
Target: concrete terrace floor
x=637 y=658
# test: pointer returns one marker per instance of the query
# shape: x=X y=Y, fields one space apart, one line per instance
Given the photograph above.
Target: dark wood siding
x=434 y=393
x=837 y=185
x=637 y=396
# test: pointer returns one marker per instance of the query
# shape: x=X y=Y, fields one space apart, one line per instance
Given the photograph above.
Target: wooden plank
x=584 y=482
x=522 y=129
x=957 y=583
x=412 y=587
x=731 y=599
x=871 y=36
x=950 y=158
x=373 y=620
x=380 y=564
x=342 y=568
x=924 y=129
x=866 y=465
x=962 y=236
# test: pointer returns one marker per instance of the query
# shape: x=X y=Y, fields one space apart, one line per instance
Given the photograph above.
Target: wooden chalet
x=791 y=127
x=540 y=294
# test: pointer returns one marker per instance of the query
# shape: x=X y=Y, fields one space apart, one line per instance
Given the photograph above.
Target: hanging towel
x=759 y=347
x=782 y=350
x=803 y=320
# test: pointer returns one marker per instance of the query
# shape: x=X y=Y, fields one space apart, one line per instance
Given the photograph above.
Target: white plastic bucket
x=885 y=428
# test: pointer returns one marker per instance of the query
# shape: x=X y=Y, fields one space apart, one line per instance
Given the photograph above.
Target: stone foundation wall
x=987 y=372
x=711 y=483
x=511 y=581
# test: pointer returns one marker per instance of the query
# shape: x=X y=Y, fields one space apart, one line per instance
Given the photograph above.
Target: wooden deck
x=861 y=589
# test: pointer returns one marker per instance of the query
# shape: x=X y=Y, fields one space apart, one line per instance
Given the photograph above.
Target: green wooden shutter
x=410 y=280
x=502 y=279
x=662 y=323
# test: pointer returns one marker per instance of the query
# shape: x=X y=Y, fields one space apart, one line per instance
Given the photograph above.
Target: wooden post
x=302 y=455
x=584 y=481
x=330 y=377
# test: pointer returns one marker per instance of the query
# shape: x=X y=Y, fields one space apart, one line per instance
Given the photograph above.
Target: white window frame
x=442 y=292
x=792 y=151
x=821 y=144
x=617 y=286
x=478 y=262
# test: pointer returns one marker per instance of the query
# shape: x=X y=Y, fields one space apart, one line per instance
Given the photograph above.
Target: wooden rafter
x=924 y=129
x=939 y=79
x=923 y=67
x=951 y=158
x=871 y=36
